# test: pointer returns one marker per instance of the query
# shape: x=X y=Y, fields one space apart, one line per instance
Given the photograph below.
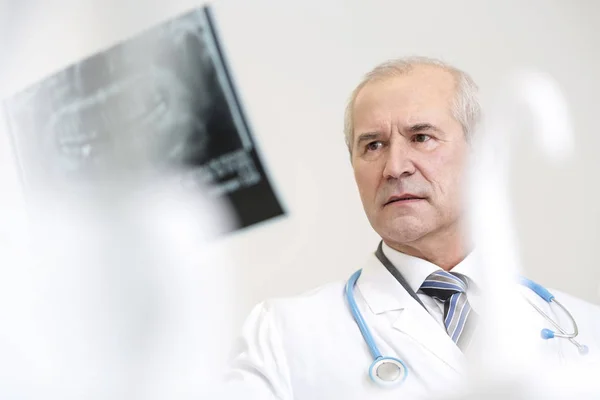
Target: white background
x=295 y=63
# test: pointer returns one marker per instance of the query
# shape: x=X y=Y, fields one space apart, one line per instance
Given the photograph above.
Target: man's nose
x=399 y=161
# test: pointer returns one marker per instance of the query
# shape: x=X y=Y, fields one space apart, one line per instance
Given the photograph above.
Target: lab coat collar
x=383 y=294
x=380 y=289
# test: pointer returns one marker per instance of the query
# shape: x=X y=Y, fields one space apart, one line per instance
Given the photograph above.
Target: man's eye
x=374 y=146
x=421 y=138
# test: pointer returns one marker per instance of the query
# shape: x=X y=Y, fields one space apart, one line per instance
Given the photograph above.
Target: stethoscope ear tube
x=549 y=333
x=562 y=333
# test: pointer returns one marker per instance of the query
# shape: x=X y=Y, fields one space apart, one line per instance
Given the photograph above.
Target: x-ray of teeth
x=162 y=100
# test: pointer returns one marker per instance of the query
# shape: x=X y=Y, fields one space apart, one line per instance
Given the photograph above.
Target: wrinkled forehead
x=423 y=93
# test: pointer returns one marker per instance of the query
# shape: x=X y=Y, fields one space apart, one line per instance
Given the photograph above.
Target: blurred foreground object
x=514 y=367
x=120 y=296
x=112 y=283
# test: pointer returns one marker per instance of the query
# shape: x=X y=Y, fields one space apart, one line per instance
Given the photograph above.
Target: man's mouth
x=403 y=199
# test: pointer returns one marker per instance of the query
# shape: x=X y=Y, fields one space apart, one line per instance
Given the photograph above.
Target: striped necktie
x=451 y=289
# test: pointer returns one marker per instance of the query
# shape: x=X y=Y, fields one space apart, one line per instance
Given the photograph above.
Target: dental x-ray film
x=162 y=100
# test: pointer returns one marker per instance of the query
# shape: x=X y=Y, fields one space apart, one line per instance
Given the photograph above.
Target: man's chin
x=402 y=230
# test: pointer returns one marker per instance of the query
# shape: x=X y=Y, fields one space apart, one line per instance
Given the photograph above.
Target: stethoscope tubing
x=362 y=325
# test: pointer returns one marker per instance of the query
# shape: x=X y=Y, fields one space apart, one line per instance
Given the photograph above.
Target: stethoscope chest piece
x=388 y=371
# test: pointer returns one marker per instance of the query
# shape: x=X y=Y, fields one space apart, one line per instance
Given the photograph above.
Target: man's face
x=409 y=155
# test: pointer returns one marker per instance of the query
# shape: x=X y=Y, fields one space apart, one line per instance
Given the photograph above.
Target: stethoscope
x=388 y=371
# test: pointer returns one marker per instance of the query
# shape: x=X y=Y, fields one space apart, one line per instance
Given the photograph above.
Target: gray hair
x=465 y=106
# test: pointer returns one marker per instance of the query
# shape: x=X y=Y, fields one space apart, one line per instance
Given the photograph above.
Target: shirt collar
x=468 y=268
x=415 y=270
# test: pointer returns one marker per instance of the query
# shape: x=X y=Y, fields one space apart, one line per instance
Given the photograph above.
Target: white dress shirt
x=415 y=270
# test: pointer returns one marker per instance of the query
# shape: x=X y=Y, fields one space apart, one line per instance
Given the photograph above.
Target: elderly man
x=400 y=327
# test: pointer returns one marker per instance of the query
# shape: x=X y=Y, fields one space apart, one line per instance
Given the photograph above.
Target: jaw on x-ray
x=127 y=108
x=161 y=101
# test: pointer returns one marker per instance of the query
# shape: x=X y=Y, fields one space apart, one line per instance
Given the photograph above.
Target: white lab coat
x=309 y=347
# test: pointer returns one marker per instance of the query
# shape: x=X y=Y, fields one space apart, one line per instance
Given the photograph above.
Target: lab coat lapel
x=383 y=294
